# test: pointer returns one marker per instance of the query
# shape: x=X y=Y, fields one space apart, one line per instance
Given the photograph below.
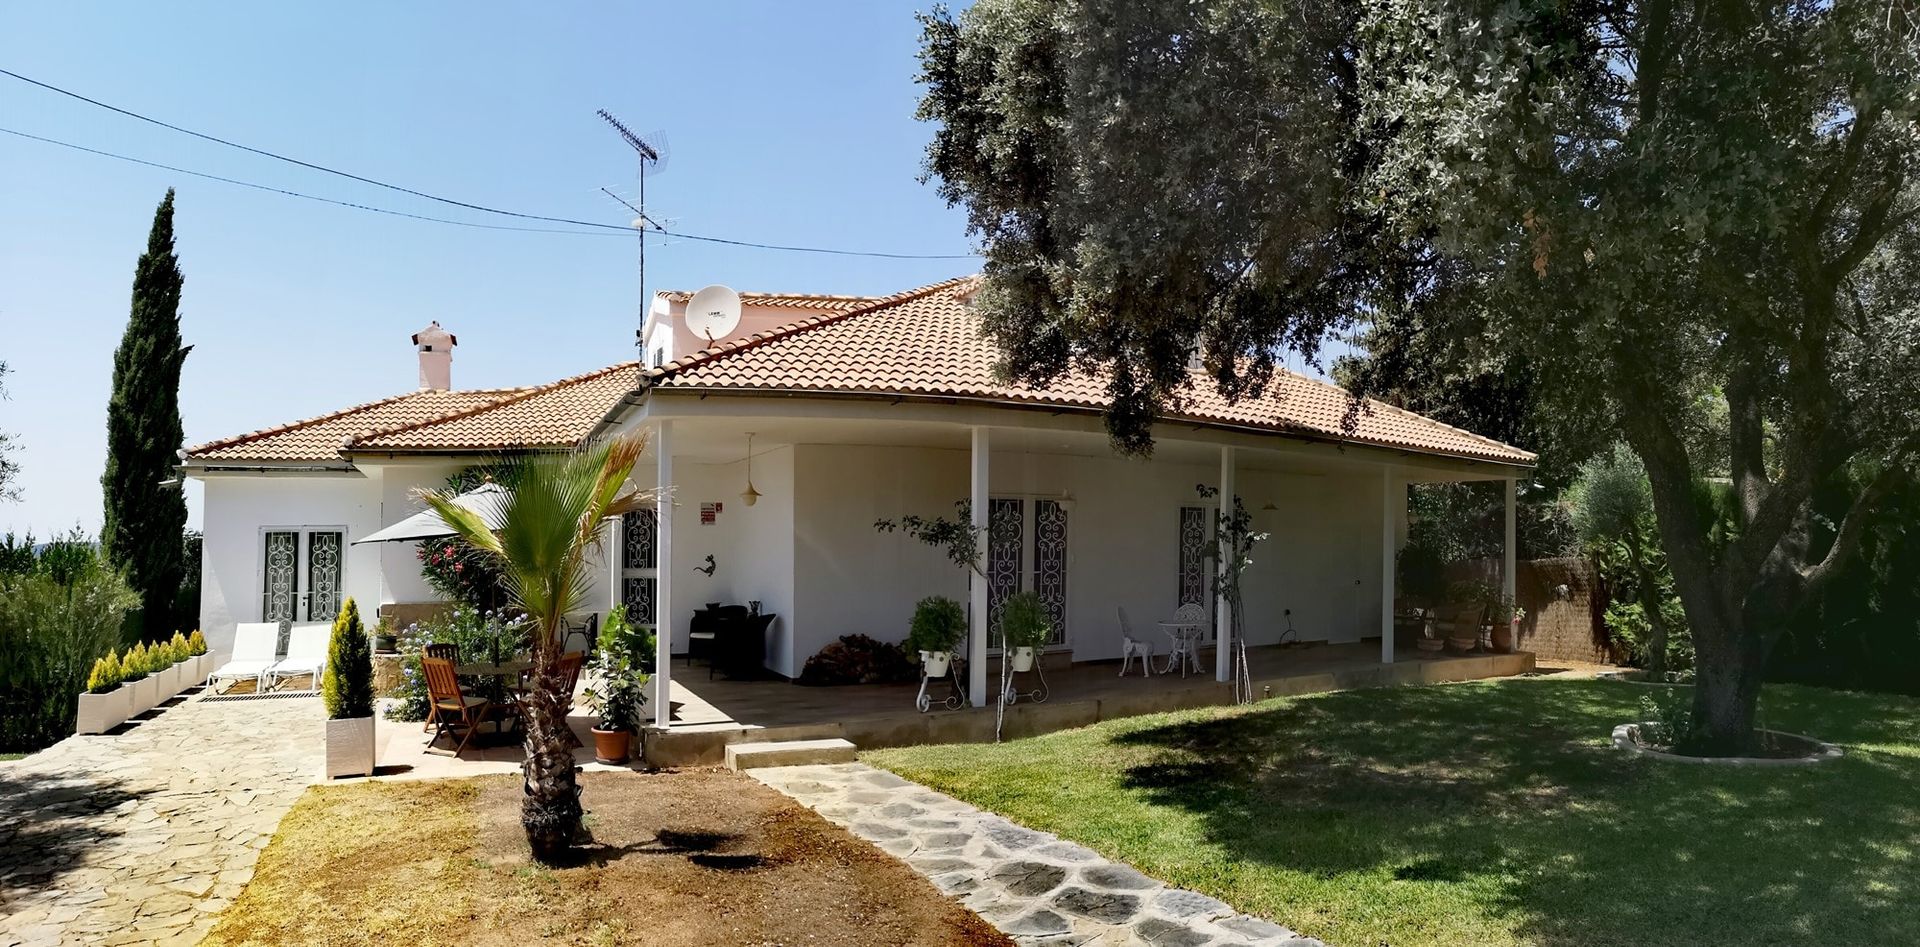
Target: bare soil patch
x=696 y=857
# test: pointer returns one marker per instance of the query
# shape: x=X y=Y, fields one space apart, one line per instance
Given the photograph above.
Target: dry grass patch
x=697 y=857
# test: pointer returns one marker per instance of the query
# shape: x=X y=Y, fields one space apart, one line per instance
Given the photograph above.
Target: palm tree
x=549 y=519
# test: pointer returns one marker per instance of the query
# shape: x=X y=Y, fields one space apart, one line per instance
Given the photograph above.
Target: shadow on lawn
x=54 y=822
x=1523 y=796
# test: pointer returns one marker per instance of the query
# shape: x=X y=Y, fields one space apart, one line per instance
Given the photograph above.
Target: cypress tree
x=145 y=521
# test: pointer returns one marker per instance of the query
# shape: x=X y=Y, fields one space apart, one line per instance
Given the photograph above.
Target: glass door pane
x=324 y=564
x=1050 y=564
x=1193 y=556
x=280 y=586
x=639 y=559
x=1006 y=535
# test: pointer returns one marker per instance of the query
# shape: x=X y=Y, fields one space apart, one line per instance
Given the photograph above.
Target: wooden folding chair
x=451 y=711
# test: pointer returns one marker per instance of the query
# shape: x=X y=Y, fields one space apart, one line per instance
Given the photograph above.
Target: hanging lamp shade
x=749 y=496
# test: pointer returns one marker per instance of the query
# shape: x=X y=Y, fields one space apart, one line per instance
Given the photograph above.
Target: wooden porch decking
x=711 y=714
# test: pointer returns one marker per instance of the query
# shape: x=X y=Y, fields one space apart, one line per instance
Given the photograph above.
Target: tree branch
x=1848 y=538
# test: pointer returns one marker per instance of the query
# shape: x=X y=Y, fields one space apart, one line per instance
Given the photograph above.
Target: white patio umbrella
x=484 y=499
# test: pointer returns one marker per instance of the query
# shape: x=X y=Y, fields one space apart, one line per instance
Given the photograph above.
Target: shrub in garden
x=858 y=659
x=177 y=649
x=106 y=674
x=60 y=610
x=346 y=687
x=938 y=624
x=135 y=663
x=196 y=643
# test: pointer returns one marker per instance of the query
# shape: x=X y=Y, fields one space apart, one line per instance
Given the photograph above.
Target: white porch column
x=1508 y=570
x=663 y=595
x=1391 y=504
x=977 y=584
x=1222 y=610
x=616 y=560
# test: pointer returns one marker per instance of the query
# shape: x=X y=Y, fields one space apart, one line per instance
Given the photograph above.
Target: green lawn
x=9 y=757
x=1487 y=813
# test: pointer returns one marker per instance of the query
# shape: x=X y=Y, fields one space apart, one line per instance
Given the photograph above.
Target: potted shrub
x=346 y=688
x=202 y=661
x=179 y=667
x=938 y=624
x=106 y=703
x=385 y=641
x=1024 y=627
x=140 y=685
x=618 y=691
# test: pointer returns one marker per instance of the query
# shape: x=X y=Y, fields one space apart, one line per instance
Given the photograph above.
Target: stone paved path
x=1033 y=886
x=143 y=837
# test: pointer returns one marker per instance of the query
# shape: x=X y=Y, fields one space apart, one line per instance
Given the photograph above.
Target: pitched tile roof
x=559 y=414
x=321 y=438
x=819 y=301
x=927 y=342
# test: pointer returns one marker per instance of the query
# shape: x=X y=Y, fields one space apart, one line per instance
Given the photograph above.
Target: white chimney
x=436 y=357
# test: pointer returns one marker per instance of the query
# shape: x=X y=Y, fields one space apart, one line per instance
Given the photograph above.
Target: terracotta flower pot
x=612 y=746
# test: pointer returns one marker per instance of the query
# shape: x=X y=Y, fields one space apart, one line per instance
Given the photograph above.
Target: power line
x=614 y=228
x=310 y=197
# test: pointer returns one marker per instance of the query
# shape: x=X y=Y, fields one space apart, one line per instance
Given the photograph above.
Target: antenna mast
x=650 y=159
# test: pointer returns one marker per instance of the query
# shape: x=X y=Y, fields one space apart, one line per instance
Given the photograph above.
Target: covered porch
x=1112 y=545
x=714 y=713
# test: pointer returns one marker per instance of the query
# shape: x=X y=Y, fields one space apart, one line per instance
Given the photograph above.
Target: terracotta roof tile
x=821 y=301
x=320 y=438
x=927 y=342
x=559 y=414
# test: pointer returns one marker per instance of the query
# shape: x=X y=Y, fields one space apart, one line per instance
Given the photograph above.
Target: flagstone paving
x=1033 y=886
x=143 y=836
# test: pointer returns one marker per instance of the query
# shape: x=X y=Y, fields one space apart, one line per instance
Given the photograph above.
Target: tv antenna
x=652 y=154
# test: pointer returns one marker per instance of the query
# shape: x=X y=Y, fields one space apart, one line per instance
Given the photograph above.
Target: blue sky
x=787 y=123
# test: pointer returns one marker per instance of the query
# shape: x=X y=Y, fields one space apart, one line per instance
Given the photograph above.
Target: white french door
x=303 y=570
x=1027 y=551
x=1196 y=559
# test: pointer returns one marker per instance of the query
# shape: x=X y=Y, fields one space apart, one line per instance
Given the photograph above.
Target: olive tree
x=1645 y=206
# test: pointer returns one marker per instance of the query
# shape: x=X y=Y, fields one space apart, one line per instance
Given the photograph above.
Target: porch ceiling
x=723 y=439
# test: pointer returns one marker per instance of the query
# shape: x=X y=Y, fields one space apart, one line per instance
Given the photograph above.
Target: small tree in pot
x=618 y=692
x=347 y=690
x=1024 y=627
x=938 y=624
x=105 y=704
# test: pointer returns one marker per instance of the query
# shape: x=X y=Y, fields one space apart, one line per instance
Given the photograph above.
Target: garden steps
x=742 y=756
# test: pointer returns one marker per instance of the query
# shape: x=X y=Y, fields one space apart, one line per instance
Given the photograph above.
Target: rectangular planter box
x=166 y=683
x=202 y=666
x=102 y=712
x=143 y=693
x=350 y=747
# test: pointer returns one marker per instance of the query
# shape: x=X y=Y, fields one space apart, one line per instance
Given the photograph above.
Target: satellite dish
x=713 y=313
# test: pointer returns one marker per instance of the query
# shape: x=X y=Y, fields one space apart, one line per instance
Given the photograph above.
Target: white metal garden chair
x=1185 y=629
x=306 y=654
x=255 y=643
x=1131 y=647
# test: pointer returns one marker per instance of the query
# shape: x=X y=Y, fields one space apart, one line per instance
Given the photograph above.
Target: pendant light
x=750 y=496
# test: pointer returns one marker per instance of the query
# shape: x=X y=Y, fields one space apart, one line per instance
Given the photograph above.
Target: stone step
x=788 y=753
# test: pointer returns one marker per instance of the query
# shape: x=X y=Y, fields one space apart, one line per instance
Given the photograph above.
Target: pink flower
x=458 y=566
x=447 y=551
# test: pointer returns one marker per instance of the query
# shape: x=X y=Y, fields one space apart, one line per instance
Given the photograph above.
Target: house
x=848 y=410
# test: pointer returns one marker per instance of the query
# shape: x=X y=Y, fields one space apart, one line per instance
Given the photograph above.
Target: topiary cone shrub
x=346 y=688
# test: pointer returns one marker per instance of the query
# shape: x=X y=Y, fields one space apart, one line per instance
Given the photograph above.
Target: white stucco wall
x=240 y=509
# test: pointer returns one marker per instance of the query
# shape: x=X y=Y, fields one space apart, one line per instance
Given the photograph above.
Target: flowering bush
x=458 y=572
x=479 y=636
